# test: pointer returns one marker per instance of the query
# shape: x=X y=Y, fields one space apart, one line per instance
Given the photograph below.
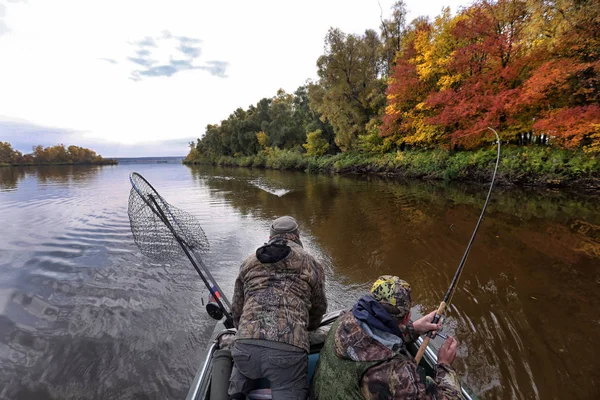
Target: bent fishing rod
x=448 y=297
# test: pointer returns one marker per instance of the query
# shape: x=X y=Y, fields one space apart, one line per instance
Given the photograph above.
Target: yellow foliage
x=446 y=81
x=391 y=109
x=420 y=106
x=315 y=144
x=435 y=50
x=423 y=134
x=263 y=139
x=594 y=147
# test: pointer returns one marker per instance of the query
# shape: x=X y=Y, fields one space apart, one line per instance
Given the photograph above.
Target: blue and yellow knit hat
x=394 y=291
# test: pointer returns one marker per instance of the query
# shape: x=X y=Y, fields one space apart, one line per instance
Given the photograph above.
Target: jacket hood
x=352 y=342
x=276 y=250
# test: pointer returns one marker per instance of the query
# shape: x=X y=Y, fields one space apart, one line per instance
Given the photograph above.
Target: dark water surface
x=83 y=315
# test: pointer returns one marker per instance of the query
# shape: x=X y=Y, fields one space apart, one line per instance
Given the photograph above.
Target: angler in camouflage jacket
x=365 y=352
x=279 y=296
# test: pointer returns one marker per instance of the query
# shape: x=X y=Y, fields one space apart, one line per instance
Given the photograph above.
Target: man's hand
x=424 y=324
x=447 y=353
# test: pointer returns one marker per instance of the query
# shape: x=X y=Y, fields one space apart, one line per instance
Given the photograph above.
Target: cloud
x=23 y=135
x=108 y=60
x=190 y=50
x=179 y=53
x=143 y=53
x=161 y=70
x=3 y=27
x=141 y=61
x=146 y=42
x=217 y=68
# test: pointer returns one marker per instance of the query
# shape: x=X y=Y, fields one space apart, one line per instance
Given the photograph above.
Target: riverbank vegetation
x=416 y=99
x=52 y=155
x=530 y=165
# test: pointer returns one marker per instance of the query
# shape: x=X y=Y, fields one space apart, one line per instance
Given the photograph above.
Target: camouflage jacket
x=280 y=301
x=397 y=376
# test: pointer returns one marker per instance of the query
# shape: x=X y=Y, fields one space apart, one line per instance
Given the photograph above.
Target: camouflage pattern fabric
x=393 y=291
x=294 y=237
x=280 y=301
x=389 y=374
x=337 y=378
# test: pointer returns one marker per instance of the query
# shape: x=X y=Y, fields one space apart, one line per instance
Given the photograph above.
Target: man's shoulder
x=296 y=247
x=301 y=252
x=250 y=260
x=353 y=342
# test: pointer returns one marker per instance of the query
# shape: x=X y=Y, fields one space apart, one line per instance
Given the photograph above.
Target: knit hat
x=394 y=291
x=284 y=224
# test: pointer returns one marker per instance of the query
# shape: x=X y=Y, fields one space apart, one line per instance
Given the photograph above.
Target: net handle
x=187 y=252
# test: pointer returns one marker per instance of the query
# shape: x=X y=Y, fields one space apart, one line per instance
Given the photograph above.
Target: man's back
x=278 y=296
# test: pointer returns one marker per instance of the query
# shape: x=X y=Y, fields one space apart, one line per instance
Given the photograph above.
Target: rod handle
x=425 y=343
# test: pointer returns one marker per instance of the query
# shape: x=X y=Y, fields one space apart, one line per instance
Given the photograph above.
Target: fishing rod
x=453 y=284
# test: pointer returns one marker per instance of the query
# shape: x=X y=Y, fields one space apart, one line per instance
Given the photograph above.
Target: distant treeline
x=528 y=68
x=53 y=155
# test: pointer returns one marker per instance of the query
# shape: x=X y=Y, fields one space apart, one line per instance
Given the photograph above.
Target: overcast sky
x=145 y=77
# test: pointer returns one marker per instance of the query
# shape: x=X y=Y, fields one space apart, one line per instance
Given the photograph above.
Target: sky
x=136 y=78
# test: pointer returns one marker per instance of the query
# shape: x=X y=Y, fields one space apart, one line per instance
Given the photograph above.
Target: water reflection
x=64 y=174
x=10 y=177
x=49 y=174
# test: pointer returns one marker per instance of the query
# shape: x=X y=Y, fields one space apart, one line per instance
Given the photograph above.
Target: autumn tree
x=8 y=155
x=413 y=78
x=315 y=144
x=350 y=90
x=488 y=66
x=564 y=90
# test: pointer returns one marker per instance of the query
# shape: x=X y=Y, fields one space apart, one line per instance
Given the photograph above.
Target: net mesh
x=151 y=216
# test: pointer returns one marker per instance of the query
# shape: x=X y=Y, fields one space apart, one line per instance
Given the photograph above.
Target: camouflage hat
x=284 y=224
x=394 y=291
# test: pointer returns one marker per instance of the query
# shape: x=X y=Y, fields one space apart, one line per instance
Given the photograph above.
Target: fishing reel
x=213 y=309
x=216 y=311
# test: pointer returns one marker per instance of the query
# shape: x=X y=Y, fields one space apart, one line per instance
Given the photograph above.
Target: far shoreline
x=519 y=166
x=103 y=162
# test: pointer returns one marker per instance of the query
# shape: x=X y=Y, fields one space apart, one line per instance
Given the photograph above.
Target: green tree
x=315 y=144
x=283 y=130
x=392 y=33
x=8 y=155
x=350 y=90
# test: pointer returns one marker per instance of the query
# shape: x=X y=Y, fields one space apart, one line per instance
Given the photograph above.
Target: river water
x=83 y=315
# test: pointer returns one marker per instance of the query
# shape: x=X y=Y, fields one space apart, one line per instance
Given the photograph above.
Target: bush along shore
x=104 y=161
x=524 y=165
x=53 y=155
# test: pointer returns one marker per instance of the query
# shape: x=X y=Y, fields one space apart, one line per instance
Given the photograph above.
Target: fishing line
x=457 y=274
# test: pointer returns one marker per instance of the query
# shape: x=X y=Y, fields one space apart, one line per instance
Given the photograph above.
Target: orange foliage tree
x=517 y=65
